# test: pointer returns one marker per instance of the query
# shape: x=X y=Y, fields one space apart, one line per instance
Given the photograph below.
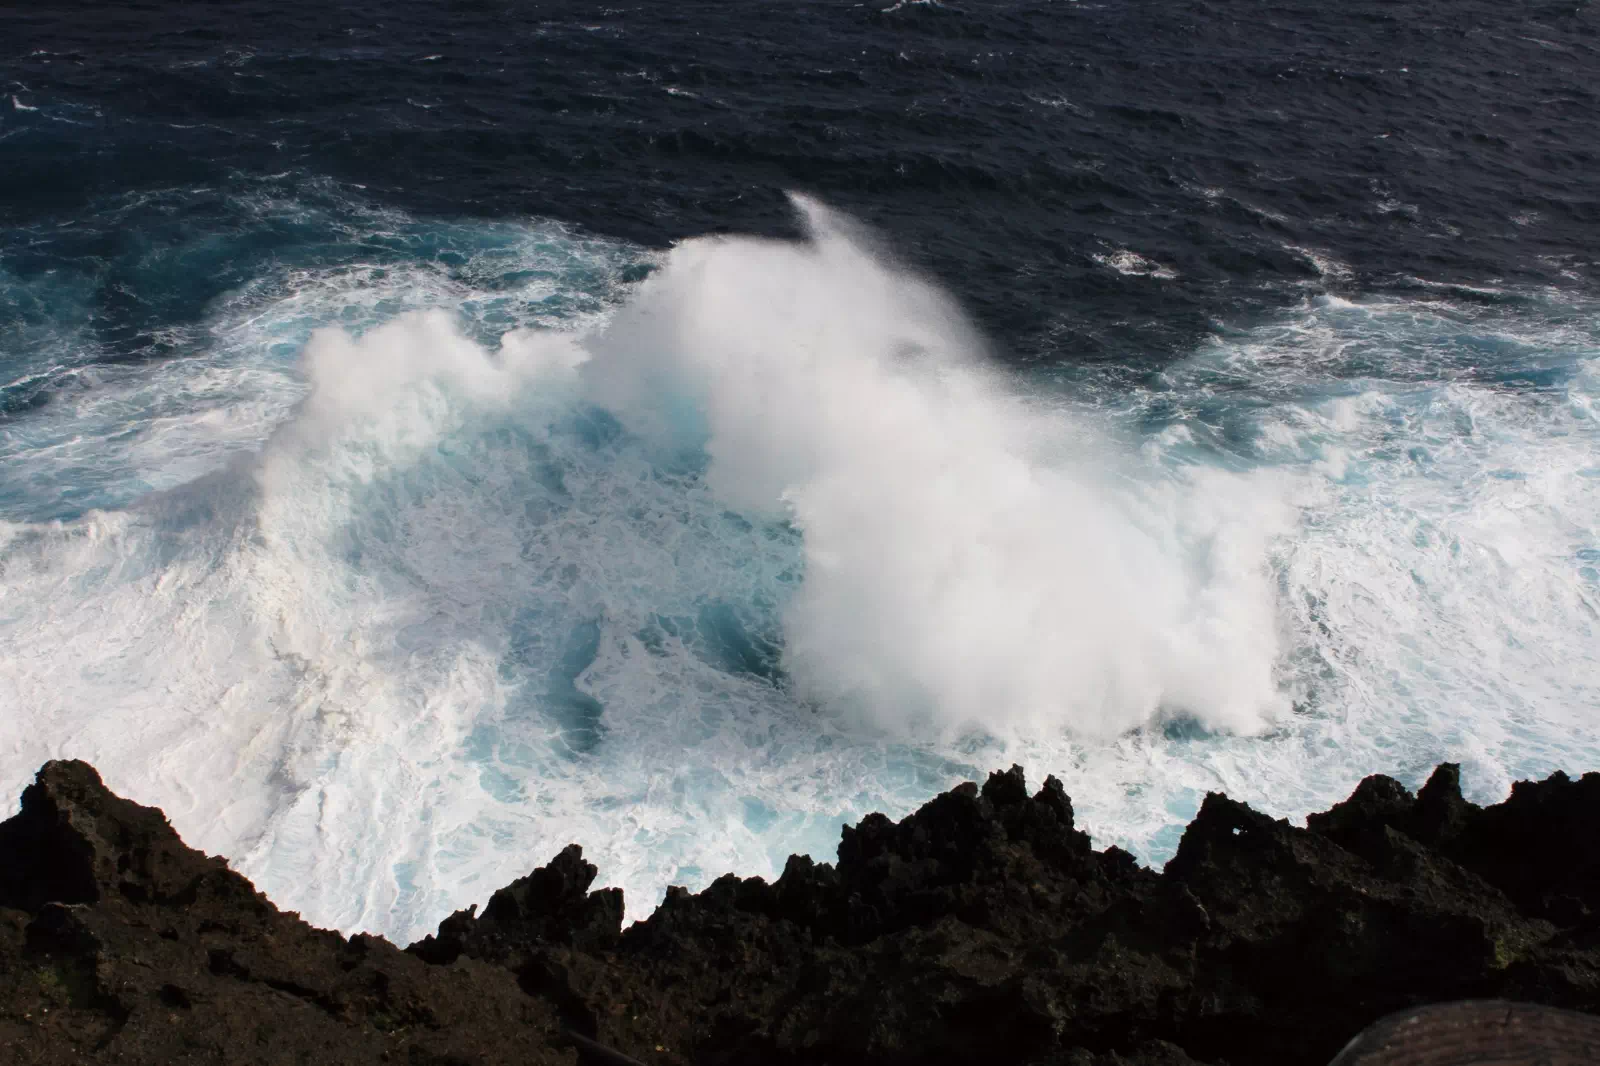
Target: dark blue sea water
x=433 y=433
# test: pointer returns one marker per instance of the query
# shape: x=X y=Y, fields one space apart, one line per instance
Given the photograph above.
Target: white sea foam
x=389 y=616
x=970 y=563
x=1133 y=264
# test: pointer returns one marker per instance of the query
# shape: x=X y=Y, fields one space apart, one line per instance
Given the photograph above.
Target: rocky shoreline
x=983 y=928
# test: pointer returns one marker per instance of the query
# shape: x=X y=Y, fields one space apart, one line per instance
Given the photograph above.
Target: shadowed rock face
x=118 y=943
x=983 y=928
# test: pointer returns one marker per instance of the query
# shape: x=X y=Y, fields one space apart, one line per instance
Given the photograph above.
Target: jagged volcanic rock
x=983 y=928
x=120 y=944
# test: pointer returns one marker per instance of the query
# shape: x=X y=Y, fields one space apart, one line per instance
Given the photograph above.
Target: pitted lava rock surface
x=984 y=928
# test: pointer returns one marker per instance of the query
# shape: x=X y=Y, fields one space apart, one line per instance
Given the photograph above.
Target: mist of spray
x=970 y=560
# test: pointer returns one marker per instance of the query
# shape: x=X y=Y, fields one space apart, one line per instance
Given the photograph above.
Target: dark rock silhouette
x=118 y=943
x=984 y=928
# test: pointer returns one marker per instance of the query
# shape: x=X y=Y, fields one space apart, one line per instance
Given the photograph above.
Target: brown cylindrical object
x=1477 y=1033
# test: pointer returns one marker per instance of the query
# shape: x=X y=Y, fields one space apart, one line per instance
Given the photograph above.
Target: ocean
x=434 y=434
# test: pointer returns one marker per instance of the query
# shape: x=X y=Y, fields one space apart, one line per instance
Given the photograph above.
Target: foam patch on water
x=1442 y=591
x=1133 y=264
x=389 y=614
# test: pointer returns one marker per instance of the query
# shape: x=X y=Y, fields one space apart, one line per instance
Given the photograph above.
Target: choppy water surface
x=400 y=477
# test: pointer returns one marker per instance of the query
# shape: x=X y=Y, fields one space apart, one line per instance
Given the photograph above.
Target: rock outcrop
x=983 y=928
x=120 y=944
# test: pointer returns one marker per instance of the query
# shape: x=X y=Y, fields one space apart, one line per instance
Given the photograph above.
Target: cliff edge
x=983 y=928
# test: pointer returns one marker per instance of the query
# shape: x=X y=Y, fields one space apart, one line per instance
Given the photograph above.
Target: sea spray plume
x=385 y=376
x=356 y=695
x=970 y=560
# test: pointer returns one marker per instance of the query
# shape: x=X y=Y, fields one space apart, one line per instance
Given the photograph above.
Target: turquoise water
x=690 y=556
